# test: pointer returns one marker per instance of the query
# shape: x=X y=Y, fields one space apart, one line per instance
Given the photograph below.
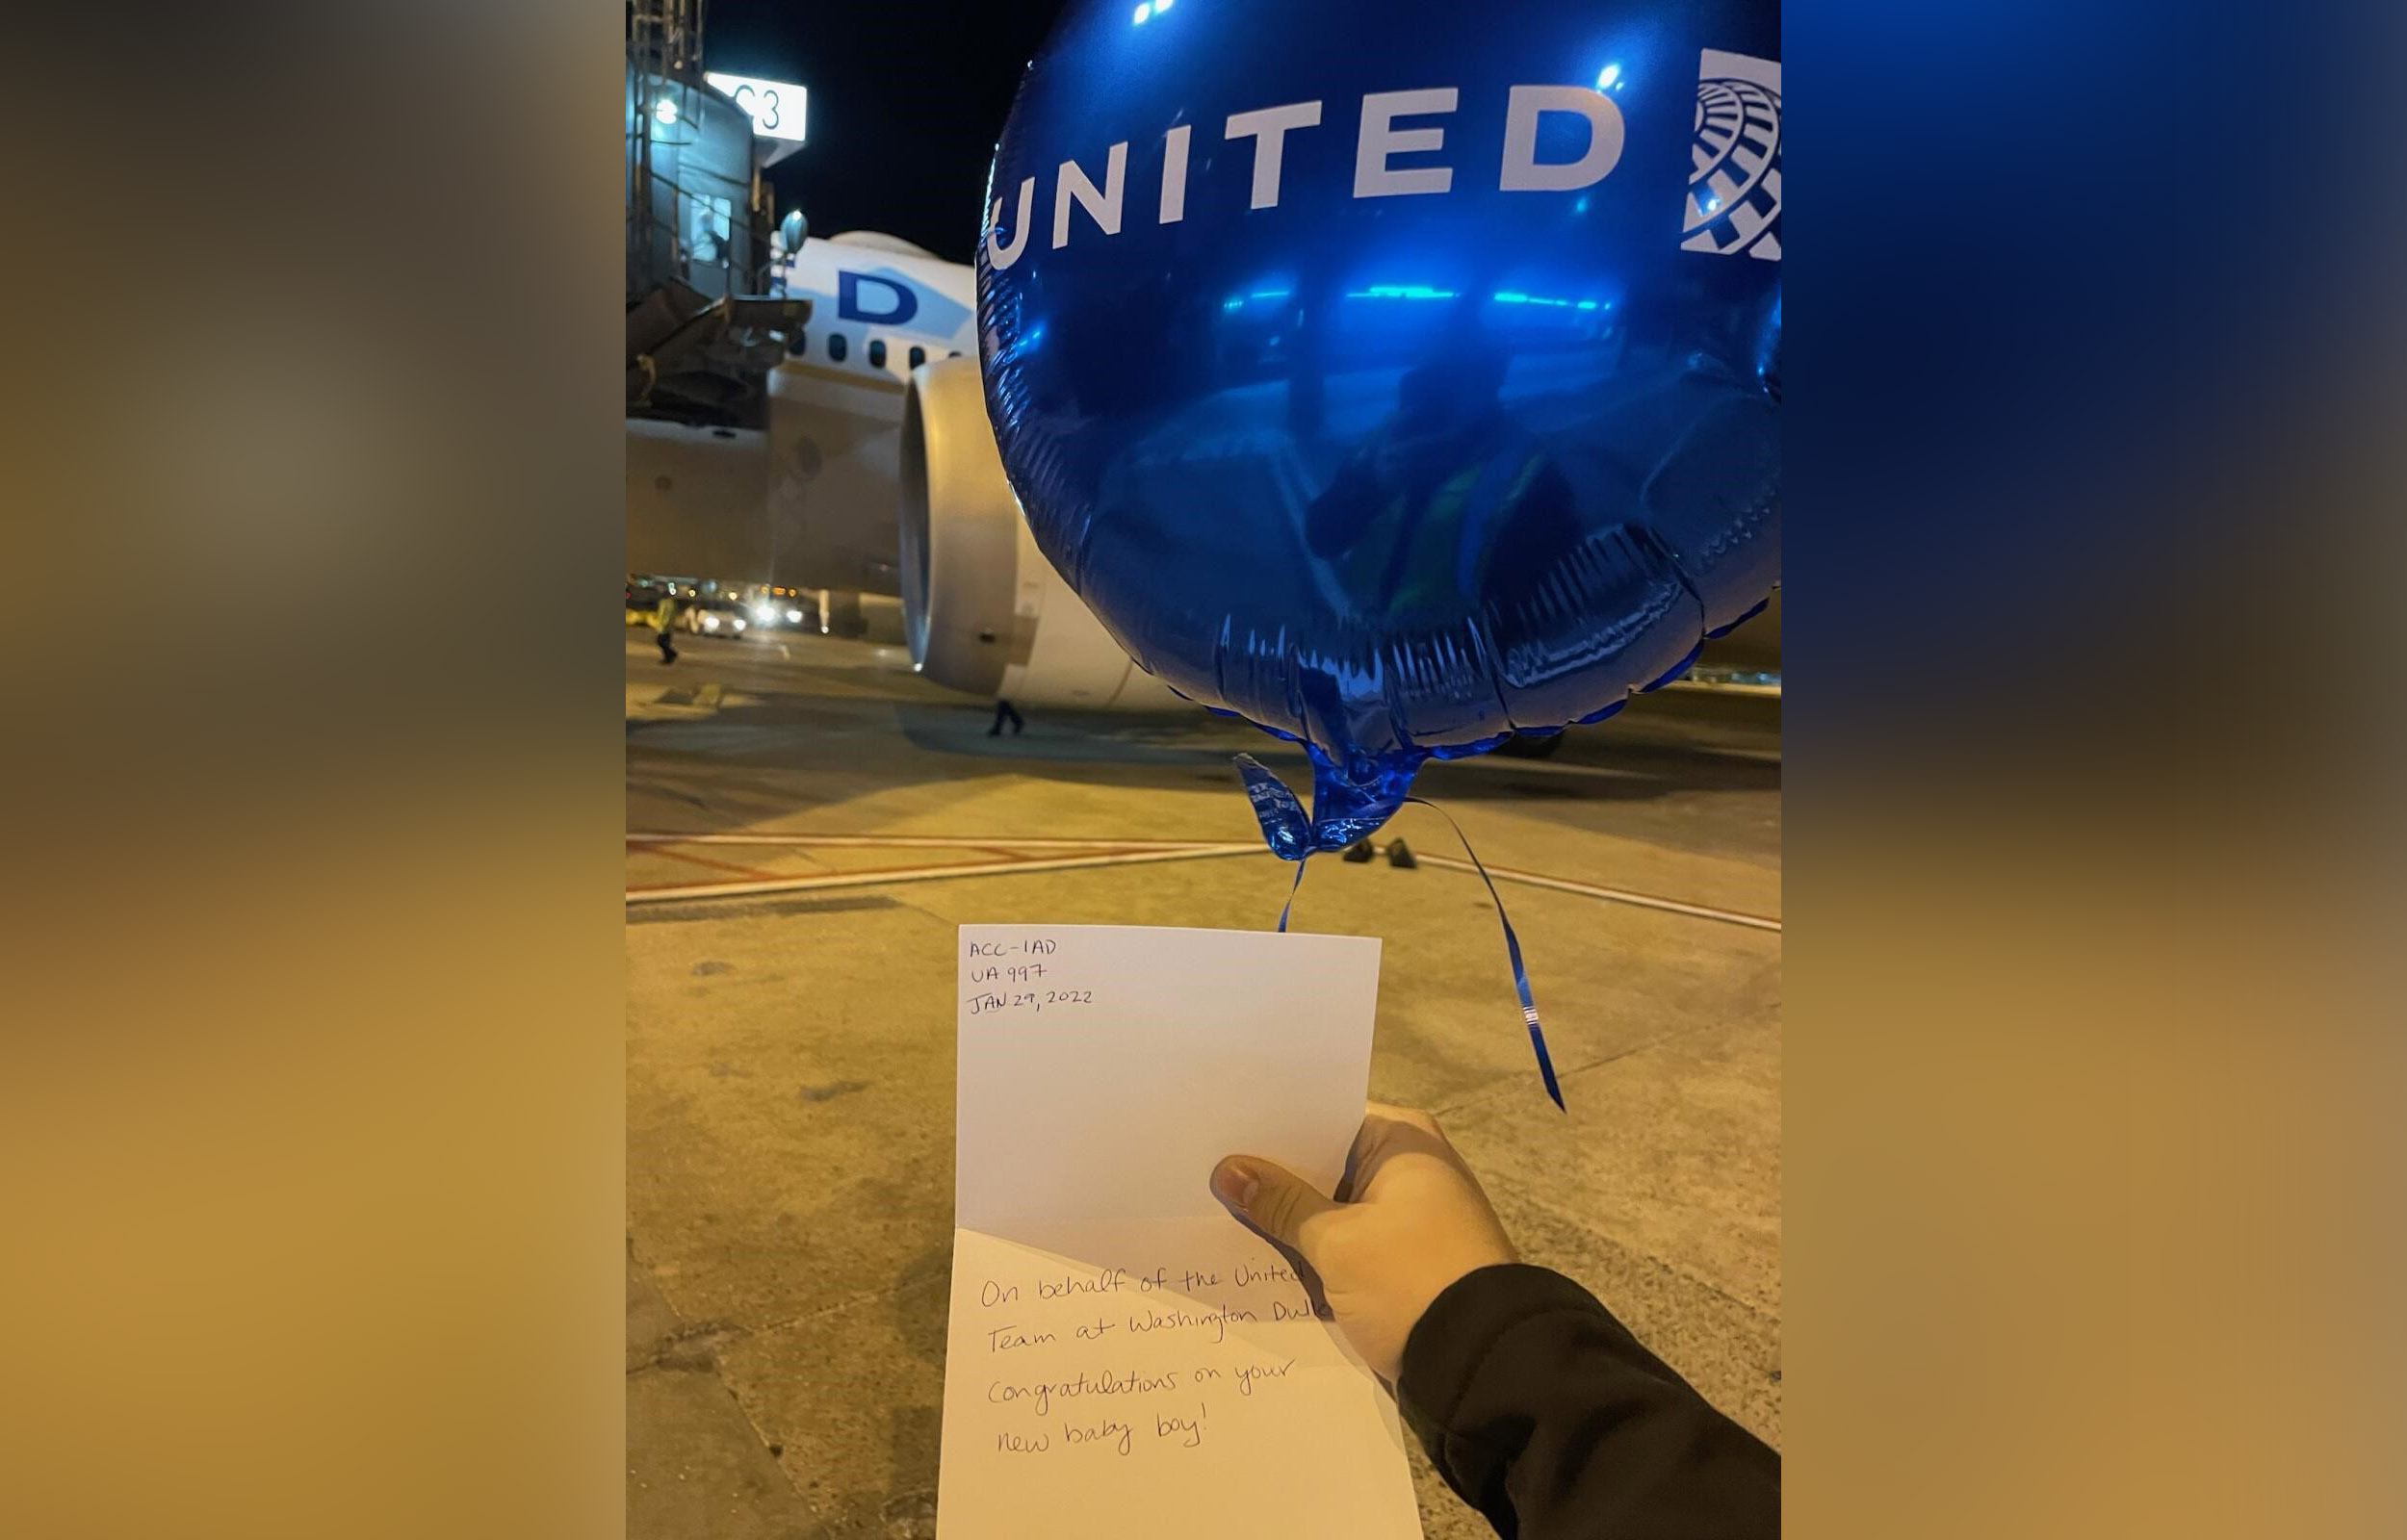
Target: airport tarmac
x=808 y=822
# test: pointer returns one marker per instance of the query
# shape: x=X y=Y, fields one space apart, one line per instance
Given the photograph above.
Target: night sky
x=907 y=98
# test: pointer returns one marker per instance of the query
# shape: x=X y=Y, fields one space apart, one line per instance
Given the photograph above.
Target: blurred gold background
x=310 y=1063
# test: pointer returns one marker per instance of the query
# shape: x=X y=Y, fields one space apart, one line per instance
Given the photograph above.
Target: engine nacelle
x=983 y=610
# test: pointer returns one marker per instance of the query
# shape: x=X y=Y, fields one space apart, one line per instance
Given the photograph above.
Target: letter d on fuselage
x=880 y=307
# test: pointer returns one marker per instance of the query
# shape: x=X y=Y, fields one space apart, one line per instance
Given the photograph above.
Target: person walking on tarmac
x=665 y=616
x=1005 y=710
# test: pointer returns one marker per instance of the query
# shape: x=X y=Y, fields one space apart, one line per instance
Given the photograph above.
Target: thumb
x=1272 y=1198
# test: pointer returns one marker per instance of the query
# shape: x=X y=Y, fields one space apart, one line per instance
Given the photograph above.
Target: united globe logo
x=1734 y=180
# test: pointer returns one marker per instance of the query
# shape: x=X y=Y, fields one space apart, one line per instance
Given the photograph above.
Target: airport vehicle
x=713 y=617
x=767 y=609
x=643 y=600
x=776 y=608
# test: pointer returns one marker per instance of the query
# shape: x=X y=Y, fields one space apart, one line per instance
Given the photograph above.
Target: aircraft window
x=918 y=356
x=835 y=347
x=877 y=353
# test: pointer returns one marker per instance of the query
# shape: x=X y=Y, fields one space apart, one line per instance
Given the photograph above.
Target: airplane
x=879 y=476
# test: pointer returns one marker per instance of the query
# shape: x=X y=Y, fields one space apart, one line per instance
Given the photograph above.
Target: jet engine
x=983 y=610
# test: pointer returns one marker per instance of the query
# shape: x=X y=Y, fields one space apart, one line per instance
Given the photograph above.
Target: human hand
x=1415 y=1220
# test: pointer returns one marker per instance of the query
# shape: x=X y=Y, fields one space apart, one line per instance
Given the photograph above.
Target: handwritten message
x=1123 y=1358
x=1010 y=975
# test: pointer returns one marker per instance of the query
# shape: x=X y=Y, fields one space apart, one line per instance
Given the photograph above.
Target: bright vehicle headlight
x=710 y=623
x=764 y=614
x=740 y=623
x=793 y=617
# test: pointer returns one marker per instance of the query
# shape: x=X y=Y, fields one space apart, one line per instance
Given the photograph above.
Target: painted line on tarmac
x=927 y=874
x=1118 y=852
x=1611 y=896
x=932 y=842
x=693 y=859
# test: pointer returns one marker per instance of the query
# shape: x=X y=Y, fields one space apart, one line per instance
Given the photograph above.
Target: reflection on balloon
x=1397 y=377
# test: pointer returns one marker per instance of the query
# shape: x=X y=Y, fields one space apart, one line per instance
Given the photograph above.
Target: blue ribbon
x=1291 y=892
x=1285 y=824
x=1513 y=950
x=1288 y=831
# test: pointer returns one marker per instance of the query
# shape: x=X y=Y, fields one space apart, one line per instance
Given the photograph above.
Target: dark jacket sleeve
x=1543 y=1412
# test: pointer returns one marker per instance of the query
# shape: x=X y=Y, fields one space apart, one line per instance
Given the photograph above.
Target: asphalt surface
x=808 y=822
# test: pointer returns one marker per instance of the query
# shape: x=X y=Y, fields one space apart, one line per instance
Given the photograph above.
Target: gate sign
x=776 y=105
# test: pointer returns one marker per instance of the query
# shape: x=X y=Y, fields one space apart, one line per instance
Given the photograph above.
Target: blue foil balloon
x=1397 y=376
